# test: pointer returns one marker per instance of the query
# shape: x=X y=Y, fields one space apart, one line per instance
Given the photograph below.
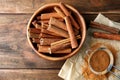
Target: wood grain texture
x=15 y=51
x=84 y=6
x=27 y=74
x=17 y=59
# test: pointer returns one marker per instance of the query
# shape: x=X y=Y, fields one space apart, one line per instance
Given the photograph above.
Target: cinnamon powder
x=99 y=61
x=87 y=73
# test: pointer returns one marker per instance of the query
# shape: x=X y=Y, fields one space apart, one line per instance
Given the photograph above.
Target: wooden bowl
x=81 y=21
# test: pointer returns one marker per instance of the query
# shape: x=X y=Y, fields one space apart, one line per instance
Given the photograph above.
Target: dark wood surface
x=17 y=59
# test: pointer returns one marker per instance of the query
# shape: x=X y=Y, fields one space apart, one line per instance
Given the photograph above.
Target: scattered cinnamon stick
x=47 y=16
x=58 y=31
x=106 y=36
x=57 y=23
x=66 y=12
x=47 y=41
x=34 y=30
x=59 y=11
x=104 y=27
x=71 y=33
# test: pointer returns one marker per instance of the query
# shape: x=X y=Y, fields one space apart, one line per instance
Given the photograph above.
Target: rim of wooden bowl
x=110 y=64
x=83 y=32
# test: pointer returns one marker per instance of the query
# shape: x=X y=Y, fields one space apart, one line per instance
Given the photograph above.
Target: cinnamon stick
x=59 y=11
x=44 y=26
x=106 y=36
x=71 y=33
x=58 y=31
x=47 y=41
x=62 y=51
x=42 y=35
x=57 y=23
x=46 y=49
x=104 y=27
x=34 y=22
x=34 y=35
x=76 y=31
x=36 y=40
x=34 y=30
x=47 y=21
x=60 y=46
x=47 y=16
x=49 y=32
x=66 y=12
x=36 y=25
x=43 y=21
x=64 y=41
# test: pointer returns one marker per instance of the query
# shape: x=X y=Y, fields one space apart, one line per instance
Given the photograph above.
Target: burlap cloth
x=72 y=68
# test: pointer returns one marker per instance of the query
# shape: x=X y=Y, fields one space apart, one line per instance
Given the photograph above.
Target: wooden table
x=17 y=59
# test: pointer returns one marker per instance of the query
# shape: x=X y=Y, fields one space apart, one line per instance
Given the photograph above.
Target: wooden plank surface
x=17 y=59
x=84 y=6
x=29 y=74
x=15 y=51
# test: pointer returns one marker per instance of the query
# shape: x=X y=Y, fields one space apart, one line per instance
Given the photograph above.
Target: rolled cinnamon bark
x=47 y=41
x=76 y=31
x=46 y=49
x=62 y=51
x=43 y=21
x=34 y=30
x=49 y=32
x=36 y=40
x=44 y=26
x=57 y=23
x=34 y=22
x=58 y=31
x=106 y=36
x=59 y=11
x=104 y=27
x=42 y=35
x=60 y=46
x=34 y=35
x=71 y=33
x=36 y=25
x=47 y=16
x=66 y=12
x=64 y=41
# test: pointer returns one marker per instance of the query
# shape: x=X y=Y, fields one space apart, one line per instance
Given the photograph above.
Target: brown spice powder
x=99 y=61
x=86 y=70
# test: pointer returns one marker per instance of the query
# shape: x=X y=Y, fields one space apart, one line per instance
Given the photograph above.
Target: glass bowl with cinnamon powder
x=101 y=61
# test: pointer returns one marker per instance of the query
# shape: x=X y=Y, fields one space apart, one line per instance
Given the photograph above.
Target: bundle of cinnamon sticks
x=112 y=35
x=55 y=32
